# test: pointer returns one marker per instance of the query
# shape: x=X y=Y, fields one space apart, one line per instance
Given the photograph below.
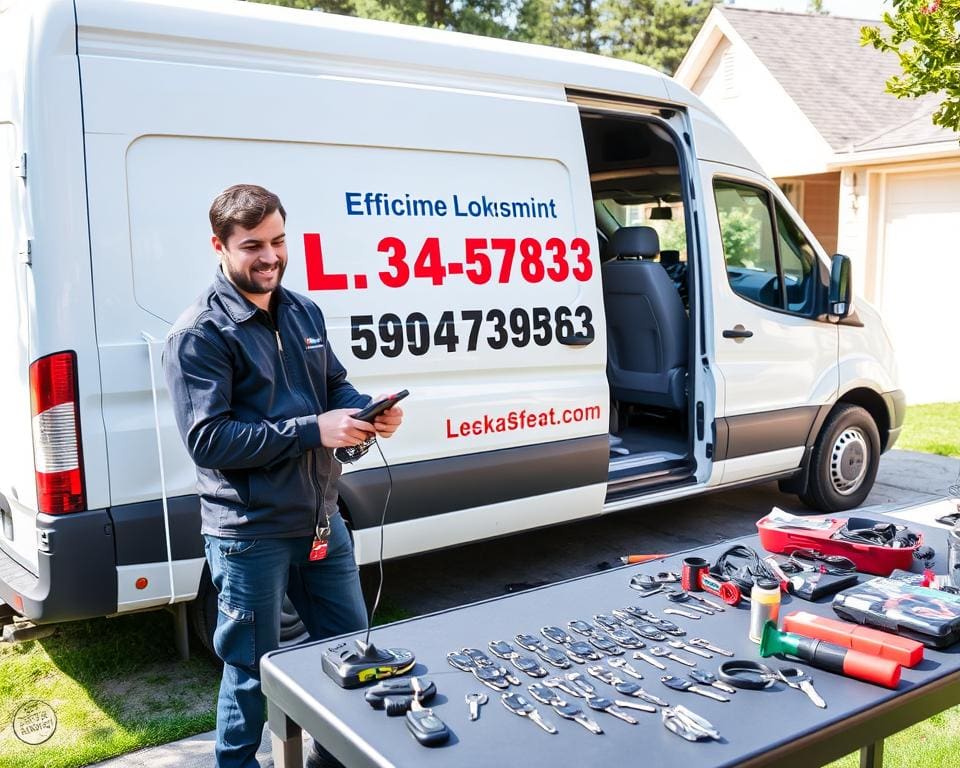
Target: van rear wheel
x=844 y=461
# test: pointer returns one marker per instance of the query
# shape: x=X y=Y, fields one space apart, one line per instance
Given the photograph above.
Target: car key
x=556 y=635
x=529 y=642
x=626 y=667
x=680 y=645
x=701 y=643
x=605 y=622
x=581 y=627
x=797 y=678
x=681 y=612
x=658 y=651
x=625 y=638
x=543 y=694
x=563 y=685
x=579 y=682
x=572 y=712
x=581 y=651
x=425 y=726
x=605 y=645
x=635 y=705
x=554 y=657
x=636 y=690
x=501 y=648
x=679 y=684
x=649 y=659
x=702 y=676
x=529 y=665
x=520 y=706
x=601 y=704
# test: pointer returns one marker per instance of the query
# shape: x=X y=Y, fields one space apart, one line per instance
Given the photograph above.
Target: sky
x=858 y=9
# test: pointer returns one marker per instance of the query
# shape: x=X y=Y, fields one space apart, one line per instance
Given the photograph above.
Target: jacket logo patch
x=312 y=343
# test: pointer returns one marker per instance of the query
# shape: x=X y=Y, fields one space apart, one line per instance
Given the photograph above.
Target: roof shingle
x=837 y=83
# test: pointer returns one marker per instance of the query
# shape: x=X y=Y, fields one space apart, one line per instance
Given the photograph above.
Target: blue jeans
x=252 y=576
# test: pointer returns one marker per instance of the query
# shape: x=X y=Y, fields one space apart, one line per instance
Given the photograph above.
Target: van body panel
x=134 y=115
x=867 y=358
x=495 y=384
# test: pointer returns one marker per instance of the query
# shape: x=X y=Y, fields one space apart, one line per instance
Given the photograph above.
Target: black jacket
x=246 y=395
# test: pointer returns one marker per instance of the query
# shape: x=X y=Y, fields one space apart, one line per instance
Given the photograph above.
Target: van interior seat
x=646 y=323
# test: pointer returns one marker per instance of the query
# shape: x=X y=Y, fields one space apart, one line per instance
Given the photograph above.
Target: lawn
x=932 y=428
x=116 y=685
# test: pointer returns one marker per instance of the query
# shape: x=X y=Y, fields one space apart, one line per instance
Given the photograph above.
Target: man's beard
x=248 y=285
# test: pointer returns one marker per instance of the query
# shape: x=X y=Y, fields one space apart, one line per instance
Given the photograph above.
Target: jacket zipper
x=283 y=364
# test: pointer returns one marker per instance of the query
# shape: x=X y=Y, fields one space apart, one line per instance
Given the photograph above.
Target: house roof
x=837 y=83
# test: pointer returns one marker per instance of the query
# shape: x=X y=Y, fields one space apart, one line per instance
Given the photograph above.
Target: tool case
x=927 y=615
x=777 y=535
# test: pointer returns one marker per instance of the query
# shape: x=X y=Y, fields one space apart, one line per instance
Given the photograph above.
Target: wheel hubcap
x=849 y=460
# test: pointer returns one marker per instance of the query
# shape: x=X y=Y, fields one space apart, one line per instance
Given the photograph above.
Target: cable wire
x=383 y=520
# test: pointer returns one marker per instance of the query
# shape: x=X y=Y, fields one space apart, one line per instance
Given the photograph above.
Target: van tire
x=844 y=461
x=203 y=617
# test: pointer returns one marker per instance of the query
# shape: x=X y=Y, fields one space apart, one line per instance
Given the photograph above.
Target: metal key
x=626 y=667
x=661 y=651
x=681 y=612
x=679 y=684
x=635 y=705
x=702 y=676
x=571 y=712
x=689 y=649
x=476 y=700
x=650 y=660
x=561 y=684
x=797 y=678
x=701 y=643
x=601 y=704
x=579 y=682
x=520 y=706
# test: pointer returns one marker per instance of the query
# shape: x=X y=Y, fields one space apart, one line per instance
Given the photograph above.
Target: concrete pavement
x=489 y=569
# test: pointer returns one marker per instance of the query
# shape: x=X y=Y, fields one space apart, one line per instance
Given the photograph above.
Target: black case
x=813 y=586
x=927 y=615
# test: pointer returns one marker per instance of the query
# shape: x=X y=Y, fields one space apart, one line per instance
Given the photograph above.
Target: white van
x=594 y=295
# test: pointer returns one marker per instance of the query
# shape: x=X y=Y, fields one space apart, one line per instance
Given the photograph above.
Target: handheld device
x=350 y=453
x=375 y=409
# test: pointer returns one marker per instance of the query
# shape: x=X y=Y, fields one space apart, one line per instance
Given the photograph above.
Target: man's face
x=254 y=259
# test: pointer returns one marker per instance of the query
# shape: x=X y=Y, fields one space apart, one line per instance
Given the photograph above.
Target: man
x=261 y=401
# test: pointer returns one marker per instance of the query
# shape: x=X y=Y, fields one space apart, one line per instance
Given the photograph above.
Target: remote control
x=426 y=727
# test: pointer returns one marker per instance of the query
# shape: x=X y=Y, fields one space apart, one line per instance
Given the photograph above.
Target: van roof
x=285 y=33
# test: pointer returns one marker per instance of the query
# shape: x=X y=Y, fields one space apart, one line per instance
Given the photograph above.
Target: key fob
x=427 y=728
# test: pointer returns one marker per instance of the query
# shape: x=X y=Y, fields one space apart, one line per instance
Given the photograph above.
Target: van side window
x=798 y=261
x=767 y=263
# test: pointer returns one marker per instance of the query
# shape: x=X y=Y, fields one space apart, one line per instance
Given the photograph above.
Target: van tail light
x=55 y=411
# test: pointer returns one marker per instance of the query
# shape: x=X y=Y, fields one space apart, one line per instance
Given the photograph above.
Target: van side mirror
x=840 y=294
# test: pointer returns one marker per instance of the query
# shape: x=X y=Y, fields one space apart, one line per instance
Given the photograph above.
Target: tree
x=652 y=32
x=925 y=35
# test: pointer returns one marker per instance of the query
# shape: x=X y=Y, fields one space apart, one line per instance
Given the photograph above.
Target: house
x=869 y=173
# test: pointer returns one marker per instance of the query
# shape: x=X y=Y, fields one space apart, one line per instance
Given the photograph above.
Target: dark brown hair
x=245 y=205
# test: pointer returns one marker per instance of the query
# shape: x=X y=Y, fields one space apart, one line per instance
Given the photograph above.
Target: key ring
x=751 y=675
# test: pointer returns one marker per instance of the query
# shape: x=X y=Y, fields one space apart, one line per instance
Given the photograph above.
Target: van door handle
x=576 y=340
x=737 y=332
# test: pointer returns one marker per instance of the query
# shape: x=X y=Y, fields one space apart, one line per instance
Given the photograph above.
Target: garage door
x=920 y=295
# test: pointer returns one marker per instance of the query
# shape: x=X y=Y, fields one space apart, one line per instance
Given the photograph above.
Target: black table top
x=752 y=724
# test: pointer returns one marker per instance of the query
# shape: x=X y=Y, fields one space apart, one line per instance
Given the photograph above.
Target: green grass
x=116 y=685
x=934 y=743
x=932 y=428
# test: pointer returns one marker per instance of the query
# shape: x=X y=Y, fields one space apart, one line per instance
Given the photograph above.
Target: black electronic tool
x=351 y=453
x=398 y=690
x=351 y=665
x=375 y=409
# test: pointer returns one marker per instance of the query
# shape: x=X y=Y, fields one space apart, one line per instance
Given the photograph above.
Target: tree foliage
x=652 y=32
x=925 y=35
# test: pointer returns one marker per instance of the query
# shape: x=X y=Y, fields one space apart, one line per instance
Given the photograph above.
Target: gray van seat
x=646 y=324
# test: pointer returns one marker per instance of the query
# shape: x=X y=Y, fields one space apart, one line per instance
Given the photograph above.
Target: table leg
x=871 y=755
x=285 y=738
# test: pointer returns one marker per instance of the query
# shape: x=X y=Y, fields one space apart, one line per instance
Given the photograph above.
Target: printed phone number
x=497 y=259
x=391 y=335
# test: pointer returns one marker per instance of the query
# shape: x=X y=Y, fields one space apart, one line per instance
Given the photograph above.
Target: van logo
x=312 y=343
